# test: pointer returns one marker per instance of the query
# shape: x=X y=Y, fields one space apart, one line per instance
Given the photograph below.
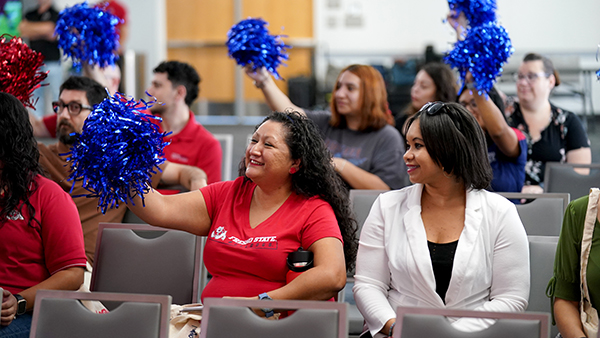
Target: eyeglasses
x=468 y=104
x=74 y=108
x=530 y=77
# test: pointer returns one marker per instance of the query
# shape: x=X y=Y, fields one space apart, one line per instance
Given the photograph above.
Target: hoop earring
x=444 y=172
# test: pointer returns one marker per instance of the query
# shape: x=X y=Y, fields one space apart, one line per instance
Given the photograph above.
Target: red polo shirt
x=196 y=146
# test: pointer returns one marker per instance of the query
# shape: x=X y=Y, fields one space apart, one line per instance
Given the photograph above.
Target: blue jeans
x=18 y=328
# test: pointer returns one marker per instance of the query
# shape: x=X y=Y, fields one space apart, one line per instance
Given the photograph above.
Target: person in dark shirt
x=38 y=27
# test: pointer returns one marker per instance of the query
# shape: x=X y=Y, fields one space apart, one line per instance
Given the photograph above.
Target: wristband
x=268 y=311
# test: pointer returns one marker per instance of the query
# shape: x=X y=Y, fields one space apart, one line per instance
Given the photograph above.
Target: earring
x=444 y=172
x=293 y=170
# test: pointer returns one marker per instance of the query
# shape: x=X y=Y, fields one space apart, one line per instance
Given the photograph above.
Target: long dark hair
x=19 y=158
x=316 y=176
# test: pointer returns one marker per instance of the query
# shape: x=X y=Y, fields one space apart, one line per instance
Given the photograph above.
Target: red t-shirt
x=31 y=254
x=246 y=262
x=196 y=146
x=50 y=123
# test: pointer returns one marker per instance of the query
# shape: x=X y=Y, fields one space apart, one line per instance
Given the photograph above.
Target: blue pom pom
x=598 y=74
x=249 y=42
x=483 y=52
x=88 y=35
x=478 y=12
x=117 y=152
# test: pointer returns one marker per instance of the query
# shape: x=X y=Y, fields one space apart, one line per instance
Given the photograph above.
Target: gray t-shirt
x=378 y=152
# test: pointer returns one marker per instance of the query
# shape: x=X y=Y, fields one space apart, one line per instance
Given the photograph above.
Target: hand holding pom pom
x=250 y=43
x=117 y=152
x=477 y=12
x=88 y=35
x=20 y=72
x=483 y=52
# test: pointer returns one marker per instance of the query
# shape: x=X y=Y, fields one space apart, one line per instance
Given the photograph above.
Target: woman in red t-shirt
x=288 y=195
x=41 y=240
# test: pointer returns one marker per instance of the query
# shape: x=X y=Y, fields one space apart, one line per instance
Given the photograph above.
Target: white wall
x=391 y=29
x=399 y=27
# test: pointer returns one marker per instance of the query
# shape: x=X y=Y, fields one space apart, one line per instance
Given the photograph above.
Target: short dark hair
x=182 y=74
x=94 y=92
x=316 y=175
x=456 y=142
x=19 y=159
x=548 y=65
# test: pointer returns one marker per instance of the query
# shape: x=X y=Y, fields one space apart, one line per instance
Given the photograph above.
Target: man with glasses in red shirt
x=78 y=96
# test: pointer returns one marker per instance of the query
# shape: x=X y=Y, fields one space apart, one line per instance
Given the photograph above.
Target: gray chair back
x=560 y=177
x=542 y=250
x=544 y=215
x=223 y=317
x=59 y=314
x=431 y=323
x=226 y=141
x=361 y=201
x=139 y=258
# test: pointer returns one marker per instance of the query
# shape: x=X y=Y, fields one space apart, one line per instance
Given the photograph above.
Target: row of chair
x=59 y=314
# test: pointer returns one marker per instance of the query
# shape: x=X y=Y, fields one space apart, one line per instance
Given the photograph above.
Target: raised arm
x=495 y=124
x=185 y=211
x=274 y=97
x=459 y=23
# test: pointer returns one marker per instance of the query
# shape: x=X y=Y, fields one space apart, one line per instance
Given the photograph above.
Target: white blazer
x=393 y=268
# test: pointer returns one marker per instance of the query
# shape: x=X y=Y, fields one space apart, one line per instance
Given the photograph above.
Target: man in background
x=176 y=85
x=38 y=27
x=77 y=97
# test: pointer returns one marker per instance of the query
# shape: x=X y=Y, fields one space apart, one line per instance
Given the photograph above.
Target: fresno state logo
x=219 y=234
x=15 y=215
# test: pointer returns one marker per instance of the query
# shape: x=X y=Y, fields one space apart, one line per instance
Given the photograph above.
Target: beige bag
x=184 y=324
x=589 y=315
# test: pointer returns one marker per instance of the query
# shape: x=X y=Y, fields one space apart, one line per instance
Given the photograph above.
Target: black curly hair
x=19 y=158
x=316 y=176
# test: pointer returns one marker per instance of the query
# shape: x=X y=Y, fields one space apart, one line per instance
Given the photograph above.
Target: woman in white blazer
x=444 y=241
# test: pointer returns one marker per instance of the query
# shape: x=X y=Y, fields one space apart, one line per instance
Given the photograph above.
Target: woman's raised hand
x=458 y=21
x=259 y=75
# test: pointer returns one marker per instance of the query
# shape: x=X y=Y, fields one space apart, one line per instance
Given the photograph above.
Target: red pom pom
x=20 y=72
